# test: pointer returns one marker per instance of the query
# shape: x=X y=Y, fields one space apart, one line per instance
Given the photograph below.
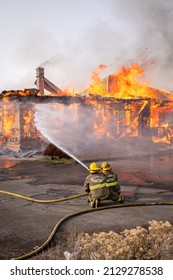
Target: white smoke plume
x=151 y=25
x=136 y=31
x=141 y=32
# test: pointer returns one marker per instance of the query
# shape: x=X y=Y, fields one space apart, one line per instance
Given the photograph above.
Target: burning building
x=118 y=107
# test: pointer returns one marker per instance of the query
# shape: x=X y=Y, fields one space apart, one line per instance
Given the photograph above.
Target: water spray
x=44 y=127
x=64 y=150
x=68 y=153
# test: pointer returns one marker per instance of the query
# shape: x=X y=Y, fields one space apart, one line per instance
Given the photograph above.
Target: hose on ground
x=55 y=229
x=41 y=200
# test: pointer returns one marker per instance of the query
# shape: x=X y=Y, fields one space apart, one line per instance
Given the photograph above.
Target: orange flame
x=70 y=90
x=124 y=84
x=140 y=104
x=9 y=119
x=28 y=118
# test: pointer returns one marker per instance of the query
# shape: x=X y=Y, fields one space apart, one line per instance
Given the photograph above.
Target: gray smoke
x=73 y=132
x=138 y=31
x=151 y=22
x=143 y=35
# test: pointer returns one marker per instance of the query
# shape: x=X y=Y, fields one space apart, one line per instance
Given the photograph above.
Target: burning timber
x=120 y=120
x=107 y=122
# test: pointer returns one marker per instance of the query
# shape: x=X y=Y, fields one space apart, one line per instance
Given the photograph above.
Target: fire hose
x=40 y=200
x=56 y=227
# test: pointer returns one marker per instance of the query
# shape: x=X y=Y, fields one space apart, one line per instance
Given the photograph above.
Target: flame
x=97 y=86
x=124 y=84
x=70 y=90
x=28 y=125
x=161 y=140
x=6 y=94
x=101 y=120
x=9 y=120
x=122 y=104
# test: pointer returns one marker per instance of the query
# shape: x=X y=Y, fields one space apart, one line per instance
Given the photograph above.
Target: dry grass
x=152 y=243
x=66 y=242
x=56 y=160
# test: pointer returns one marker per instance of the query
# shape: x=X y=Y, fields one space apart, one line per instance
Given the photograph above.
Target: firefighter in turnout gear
x=111 y=183
x=95 y=185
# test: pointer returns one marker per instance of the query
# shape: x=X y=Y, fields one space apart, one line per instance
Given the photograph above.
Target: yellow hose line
x=41 y=200
x=39 y=249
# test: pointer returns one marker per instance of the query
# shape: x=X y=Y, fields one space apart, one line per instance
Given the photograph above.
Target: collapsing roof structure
x=107 y=117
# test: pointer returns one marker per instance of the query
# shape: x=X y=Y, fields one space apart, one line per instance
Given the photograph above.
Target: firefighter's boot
x=97 y=203
x=120 y=199
x=94 y=202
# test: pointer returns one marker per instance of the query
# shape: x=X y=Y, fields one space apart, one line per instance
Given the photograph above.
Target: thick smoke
x=132 y=31
x=151 y=22
x=69 y=131
x=140 y=31
x=72 y=130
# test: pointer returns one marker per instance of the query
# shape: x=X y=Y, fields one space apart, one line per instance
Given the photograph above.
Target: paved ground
x=25 y=225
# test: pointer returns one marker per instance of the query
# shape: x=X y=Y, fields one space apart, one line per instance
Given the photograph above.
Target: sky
x=71 y=38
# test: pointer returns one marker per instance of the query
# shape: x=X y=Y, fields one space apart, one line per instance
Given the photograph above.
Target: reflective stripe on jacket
x=98 y=186
x=95 y=186
x=111 y=180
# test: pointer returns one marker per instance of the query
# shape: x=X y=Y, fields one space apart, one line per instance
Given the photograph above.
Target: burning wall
x=105 y=118
x=17 y=129
x=114 y=108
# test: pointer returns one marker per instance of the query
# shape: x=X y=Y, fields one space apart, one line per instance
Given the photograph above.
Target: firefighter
x=95 y=185
x=111 y=183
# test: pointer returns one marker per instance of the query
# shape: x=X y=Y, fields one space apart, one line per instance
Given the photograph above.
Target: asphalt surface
x=25 y=225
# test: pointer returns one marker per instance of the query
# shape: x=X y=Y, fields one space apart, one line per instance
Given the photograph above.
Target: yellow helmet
x=94 y=167
x=106 y=166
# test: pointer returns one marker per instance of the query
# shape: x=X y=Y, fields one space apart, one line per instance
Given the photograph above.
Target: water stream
x=65 y=151
x=47 y=128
